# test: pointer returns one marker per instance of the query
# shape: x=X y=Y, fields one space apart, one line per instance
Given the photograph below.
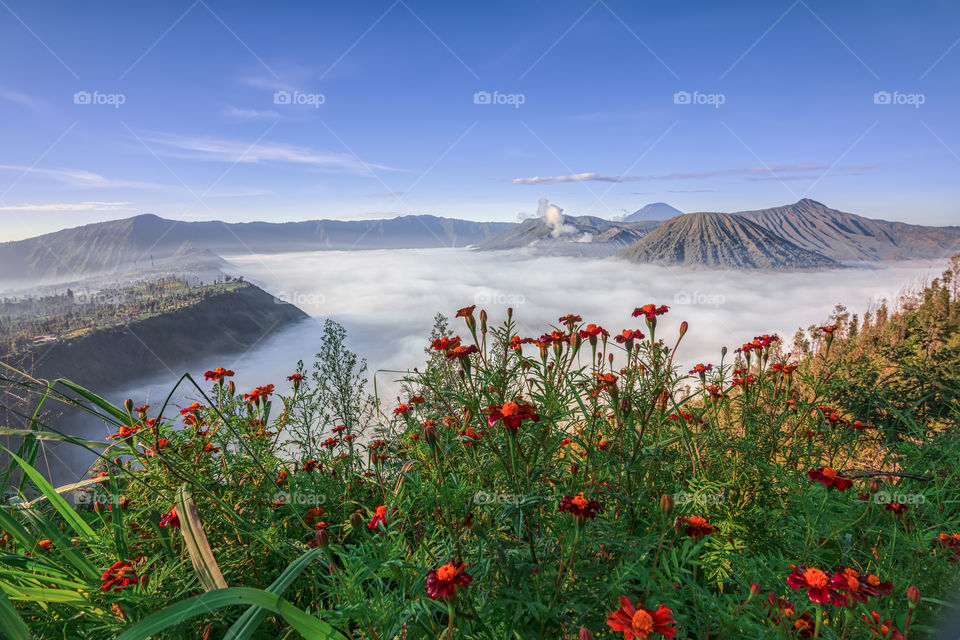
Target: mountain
x=105 y=246
x=848 y=237
x=572 y=235
x=722 y=240
x=654 y=211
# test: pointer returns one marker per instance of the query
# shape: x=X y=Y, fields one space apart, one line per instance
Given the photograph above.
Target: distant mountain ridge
x=848 y=237
x=654 y=211
x=722 y=240
x=572 y=235
x=105 y=246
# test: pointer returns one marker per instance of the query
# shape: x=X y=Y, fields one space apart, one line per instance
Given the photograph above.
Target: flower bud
x=321 y=538
x=874 y=486
x=356 y=520
x=666 y=503
x=755 y=589
x=431 y=435
x=625 y=405
x=723 y=351
x=483 y=320
x=574 y=468
x=585 y=634
x=913 y=595
x=128 y=404
x=232 y=388
x=144 y=580
x=683 y=328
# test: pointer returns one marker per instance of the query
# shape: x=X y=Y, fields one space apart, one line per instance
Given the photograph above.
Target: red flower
x=516 y=342
x=817 y=583
x=650 y=311
x=629 y=335
x=125 y=431
x=512 y=414
x=852 y=584
x=379 y=515
x=170 y=519
x=218 y=374
x=339 y=428
x=593 y=331
x=445 y=343
x=313 y=515
x=470 y=433
x=296 y=379
x=785 y=369
x=828 y=330
x=330 y=443
x=579 y=506
x=896 y=508
x=830 y=478
x=466 y=312
x=696 y=526
x=700 y=369
x=142 y=408
x=637 y=622
x=884 y=629
x=263 y=392
x=443 y=581
x=401 y=410
x=119 y=576
x=310 y=465
x=462 y=351
x=569 y=320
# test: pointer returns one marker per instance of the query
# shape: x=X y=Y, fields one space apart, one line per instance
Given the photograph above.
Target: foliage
x=524 y=487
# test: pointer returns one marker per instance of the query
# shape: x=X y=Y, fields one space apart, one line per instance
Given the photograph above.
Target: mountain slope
x=573 y=235
x=104 y=246
x=722 y=240
x=654 y=211
x=848 y=237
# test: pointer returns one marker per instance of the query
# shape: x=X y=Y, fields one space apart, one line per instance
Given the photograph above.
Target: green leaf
x=77 y=523
x=114 y=411
x=13 y=626
x=252 y=617
x=195 y=539
x=307 y=625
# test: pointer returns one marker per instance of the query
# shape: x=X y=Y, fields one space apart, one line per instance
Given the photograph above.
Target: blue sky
x=389 y=121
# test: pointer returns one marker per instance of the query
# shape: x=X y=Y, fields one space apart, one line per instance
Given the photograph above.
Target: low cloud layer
x=775 y=172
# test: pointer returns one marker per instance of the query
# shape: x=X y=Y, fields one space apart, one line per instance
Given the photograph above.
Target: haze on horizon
x=475 y=112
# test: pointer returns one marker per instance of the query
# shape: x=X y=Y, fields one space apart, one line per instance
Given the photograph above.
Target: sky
x=206 y=109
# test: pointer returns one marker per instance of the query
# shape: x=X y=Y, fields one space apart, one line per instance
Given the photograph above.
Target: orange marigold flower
x=830 y=478
x=695 y=526
x=379 y=515
x=120 y=575
x=650 y=311
x=296 y=378
x=462 y=351
x=170 y=519
x=637 y=622
x=259 y=393
x=512 y=414
x=445 y=343
x=579 y=506
x=593 y=331
x=881 y=629
x=443 y=581
x=218 y=374
x=401 y=410
x=817 y=583
x=125 y=431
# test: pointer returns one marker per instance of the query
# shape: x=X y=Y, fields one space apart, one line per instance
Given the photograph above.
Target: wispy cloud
x=78 y=177
x=21 y=98
x=775 y=172
x=242 y=151
x=235 y=113
x=70 y=206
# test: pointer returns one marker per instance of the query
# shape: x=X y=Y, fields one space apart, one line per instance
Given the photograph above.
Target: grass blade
x=195 y=539
x=308 y=626
x=77 y=523
x=11 y=622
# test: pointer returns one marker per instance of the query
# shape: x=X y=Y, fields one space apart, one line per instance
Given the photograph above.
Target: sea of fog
x=387 y=301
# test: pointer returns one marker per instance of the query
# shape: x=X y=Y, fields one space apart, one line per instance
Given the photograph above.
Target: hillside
x=105 y=246
x=722 y=241
x=226 y=320
x=847 y=237
x=574 y=235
